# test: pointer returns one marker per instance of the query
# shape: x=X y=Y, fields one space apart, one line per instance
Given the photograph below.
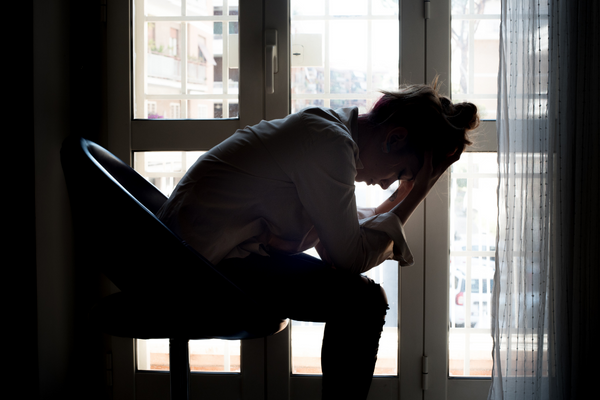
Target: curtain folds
x=545 y=309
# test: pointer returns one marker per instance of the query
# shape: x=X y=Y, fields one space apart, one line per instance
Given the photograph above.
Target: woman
x=253 y=203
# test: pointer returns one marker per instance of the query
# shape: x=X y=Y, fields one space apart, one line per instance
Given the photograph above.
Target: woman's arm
x=424 y=181
x=400 y=194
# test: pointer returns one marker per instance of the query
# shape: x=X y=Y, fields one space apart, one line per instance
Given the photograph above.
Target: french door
x=182 y=76
x=185 y=74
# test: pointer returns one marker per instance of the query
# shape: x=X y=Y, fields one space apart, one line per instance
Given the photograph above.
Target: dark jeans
x=304 y=288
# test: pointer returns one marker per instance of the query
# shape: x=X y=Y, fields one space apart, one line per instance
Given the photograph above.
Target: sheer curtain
x=545 y=308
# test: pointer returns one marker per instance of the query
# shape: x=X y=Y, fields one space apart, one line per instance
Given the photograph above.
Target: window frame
x=436 y=233
x=125 y=135
x=435 y=239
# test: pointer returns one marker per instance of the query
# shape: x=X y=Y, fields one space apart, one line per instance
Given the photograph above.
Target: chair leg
x=179 y=364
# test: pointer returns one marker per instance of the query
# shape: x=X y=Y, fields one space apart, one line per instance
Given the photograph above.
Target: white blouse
x=285 y=185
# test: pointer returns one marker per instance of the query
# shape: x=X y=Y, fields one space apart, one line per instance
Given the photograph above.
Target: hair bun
x=463 y=116
x=432 y=120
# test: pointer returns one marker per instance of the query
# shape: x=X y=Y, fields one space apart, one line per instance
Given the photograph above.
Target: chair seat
x=124 y=315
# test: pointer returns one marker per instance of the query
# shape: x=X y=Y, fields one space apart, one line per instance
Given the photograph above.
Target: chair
x=168 y=290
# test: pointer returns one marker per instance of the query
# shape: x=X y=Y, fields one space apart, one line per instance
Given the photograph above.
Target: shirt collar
x=349 y=117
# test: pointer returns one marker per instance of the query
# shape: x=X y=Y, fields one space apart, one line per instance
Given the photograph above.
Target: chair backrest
x=132 y=182
x=116 y=230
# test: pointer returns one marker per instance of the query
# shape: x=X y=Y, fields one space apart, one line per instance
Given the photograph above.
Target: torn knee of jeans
x=379 y=299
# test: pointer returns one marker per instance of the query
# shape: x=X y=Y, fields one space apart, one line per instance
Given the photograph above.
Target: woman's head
x=432 y=121
x=405 y=124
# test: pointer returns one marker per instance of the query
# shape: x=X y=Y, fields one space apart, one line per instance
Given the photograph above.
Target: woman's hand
x=431 y=172
x=426 y=178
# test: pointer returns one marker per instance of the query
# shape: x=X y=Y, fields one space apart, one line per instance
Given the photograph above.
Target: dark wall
x=67 y=89
x=19 y=264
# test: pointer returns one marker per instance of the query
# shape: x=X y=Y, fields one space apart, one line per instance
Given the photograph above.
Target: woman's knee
x=373 y=296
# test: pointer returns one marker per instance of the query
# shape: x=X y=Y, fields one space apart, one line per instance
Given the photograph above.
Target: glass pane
x=476 y=6
x=384 y=7
x=163 y=58
x=384 y=67
x=232 y=7
x=205 y=355
x=474 y=347
x=342 y=49
x=199 y=7
x=342 y=63
x=361 y=104
x=163 y=8
x=483 y=218
x=475 y=43
x=345 y=7
x=186 y=62
x=307 y=7
x=348 y=69
x=473 y=210
x=164 y=169
x=299 y=104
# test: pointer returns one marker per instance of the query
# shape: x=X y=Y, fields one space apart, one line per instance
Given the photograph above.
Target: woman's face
x=386 y=167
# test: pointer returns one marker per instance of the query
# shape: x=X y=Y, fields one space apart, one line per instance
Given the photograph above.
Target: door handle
x=271 y=64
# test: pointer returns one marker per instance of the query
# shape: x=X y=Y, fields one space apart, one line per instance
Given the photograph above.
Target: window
x=216 y=76
x=475 y=41
x=185 y=56
x=342 y=54
x=475 y=57
x=164 y=170
x=457 y=342
x=473 y=212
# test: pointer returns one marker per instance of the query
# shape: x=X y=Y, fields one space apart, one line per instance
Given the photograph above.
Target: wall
x=67 y=98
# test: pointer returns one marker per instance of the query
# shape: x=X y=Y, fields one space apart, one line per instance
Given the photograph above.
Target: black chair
x=168 y=290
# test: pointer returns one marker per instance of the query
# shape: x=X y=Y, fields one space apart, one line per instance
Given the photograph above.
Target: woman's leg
x=304 y=288
x=350 y=345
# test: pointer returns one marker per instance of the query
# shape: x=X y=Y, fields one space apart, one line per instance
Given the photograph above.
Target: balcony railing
x=165 y=67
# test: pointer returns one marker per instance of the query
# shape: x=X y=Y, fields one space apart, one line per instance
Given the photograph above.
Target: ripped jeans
x=304 y=288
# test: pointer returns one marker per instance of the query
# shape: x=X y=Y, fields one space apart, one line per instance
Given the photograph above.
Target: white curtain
x=546 y=299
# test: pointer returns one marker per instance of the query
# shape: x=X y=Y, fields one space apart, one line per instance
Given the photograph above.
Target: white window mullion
x=467 y=326
x=471 y=77
x=369 y=53
x=469 y=232
x=225 y=63
x=326 y=65
x=139 y=59
x=183 y=111
x=184 y=58
x=469 y=204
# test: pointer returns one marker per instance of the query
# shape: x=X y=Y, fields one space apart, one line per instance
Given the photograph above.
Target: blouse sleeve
x=365 y=212
x=325 y=185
